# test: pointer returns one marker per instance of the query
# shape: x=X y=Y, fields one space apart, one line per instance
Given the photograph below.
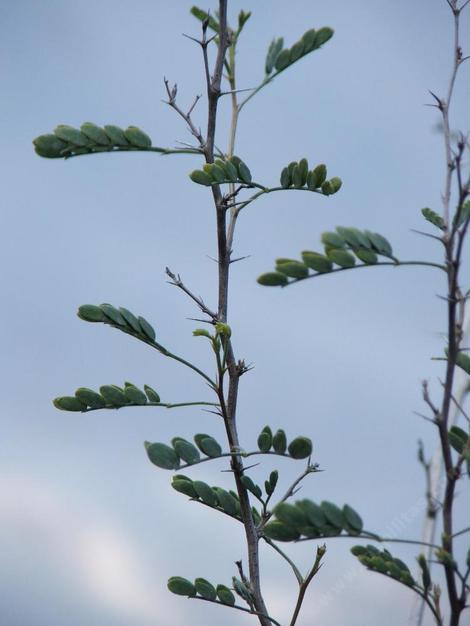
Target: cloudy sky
x=89 y=529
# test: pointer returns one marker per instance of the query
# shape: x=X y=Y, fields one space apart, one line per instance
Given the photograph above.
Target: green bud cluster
x=280 y=58
x=296 y=175
x=120 y=318
x=109 y=397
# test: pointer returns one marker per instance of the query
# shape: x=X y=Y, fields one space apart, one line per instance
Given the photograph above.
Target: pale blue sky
x=90 y=531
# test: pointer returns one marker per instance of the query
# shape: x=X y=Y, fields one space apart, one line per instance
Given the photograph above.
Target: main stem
x=229 y=400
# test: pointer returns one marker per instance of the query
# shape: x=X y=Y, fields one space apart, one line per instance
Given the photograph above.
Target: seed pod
x=181 y=586
x=113 y=395
x=272 y=279
x=135 y=395
x=285 y=178
x=116 y=135
x=366 y=256
x=309 y=40
x=250 y=485
x=201 y=178
x=90 y=398
x=280 y=442
x=136 y=137
x=205 y=589
x=162 y=456
x=315 y=515
x=71 y=135
x=316 y=261
x=354 y=523
x=341 y=257
x=293 y=269
x=280 y=532
x=205 y=493
x=113 y=315
x=69 y=403
x=322 y=36
x=227 y=502
x=225 y=595
x=91 y=313
x=300 y=448
x=318 y=175
x=186 y=451
x=184 y=486
x=333 y=514
x=245 y=174
x=152 y=395
x=283 y=60
x=95 y=133
x=290 y=515
x=49 y=146
x=131 y=319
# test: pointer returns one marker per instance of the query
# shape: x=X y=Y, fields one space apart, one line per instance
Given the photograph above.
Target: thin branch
x=177 y=282
x=304 y=585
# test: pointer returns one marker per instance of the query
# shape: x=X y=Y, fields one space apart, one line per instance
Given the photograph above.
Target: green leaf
x=71 y=135
x=184 y=486
x=285 y=179
x=366 y=256
x=264 y=442
x=152 y=395
x=181 y=586
x=314 y=513
x=112 y=314
x=322 y=36
x=201 y=178
x=270 y=485
x=293 y=269
x=131 y=319
x=137 y=137
x=49 y=146
x=69 y=403
x=162 y=456
x=463 y=361
x=244 y=172
x=316 y=261
x=272 y=279
x=425 y=574
x=90 y=398
x=381 y=244
x=318 y=176
x=351 y=237
x=95 y=133
x=458 y=439
x=296 y=51
x=205 y=493
x=341 y=257
x=290 y=515
x=203 y=16
x=300 y=448
x=278 y=531
x=280 y=442
x=250 y=485
x=273 y=52
x=353 y=520
x=134 y=395
x=116 y=135
x=335 y=184
x=186 y=451
x=147 y=328
x=216 y=173
x=208 y=445
x=333 y=514
x=283 y=60
x=433 y=217
x=225 y=595
x=205 y=589
x=91 y=313
x=309 y=40
x=230 y=171
x=227 y=502
x=464 y=214
x=332 y=240
x=113 y=395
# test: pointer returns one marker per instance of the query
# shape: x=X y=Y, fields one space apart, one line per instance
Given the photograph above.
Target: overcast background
x=89 y=529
